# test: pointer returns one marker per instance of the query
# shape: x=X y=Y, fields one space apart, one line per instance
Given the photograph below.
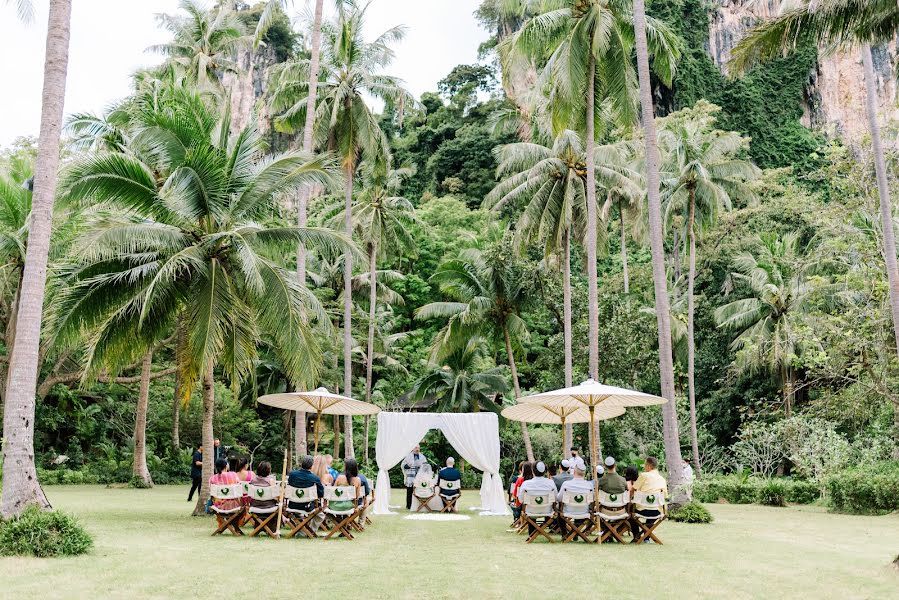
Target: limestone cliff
x=835 y=97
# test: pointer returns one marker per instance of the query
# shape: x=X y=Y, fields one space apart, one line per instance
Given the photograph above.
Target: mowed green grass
x=147 y=546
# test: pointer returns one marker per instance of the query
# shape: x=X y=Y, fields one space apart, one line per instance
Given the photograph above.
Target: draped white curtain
x=475 y=436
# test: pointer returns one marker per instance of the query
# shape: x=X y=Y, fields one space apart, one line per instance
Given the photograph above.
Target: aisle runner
x=437 y=517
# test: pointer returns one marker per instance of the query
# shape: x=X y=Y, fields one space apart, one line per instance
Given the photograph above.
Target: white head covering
x=579 y=464
x=610 y=461
x=600 y=470
x=566 y=464
x=540 y=468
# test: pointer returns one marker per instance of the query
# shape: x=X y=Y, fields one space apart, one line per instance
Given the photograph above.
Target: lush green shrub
x=772 y=493
x=798 y=491
x=692 y=512
x=43 y=533
x=871 y=490
x=471 y=479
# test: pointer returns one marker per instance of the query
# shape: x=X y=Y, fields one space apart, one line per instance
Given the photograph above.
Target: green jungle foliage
x=43 y=534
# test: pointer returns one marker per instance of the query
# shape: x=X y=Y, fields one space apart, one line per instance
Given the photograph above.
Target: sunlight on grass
x=148 y=546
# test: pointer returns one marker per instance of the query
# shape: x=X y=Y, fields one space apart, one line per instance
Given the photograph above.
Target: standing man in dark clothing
x=218 y=452
x=196 y=472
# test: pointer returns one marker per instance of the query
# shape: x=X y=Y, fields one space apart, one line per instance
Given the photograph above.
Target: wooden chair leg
x=538 y=530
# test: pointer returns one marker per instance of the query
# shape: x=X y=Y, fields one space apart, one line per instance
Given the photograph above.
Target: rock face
x=835 y=97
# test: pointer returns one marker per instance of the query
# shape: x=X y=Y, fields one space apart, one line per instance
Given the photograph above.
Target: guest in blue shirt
x=366 y=487
x=304 y=478
x=329 y=460
x=450 y=473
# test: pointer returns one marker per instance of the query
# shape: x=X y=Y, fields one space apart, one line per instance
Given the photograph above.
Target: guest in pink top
x=224 y=476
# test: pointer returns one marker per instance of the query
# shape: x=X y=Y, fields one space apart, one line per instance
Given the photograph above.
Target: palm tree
x=203 y=45
x=548 y=185
x=182 y=236
x=350 y=71
x=657 y=247
x=833 y=25
x=628 y=198
x=780 y=289
x=458 y=383
x=20 y=484
x=488 y=292
x=701 y=175
x=589 y=44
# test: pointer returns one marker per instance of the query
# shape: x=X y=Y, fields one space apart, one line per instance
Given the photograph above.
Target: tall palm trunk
x=139 y=468
x=372 y=305
x=624 y=270
x=883 y=190
x=663 y=315
x=348 y=307
x=176 y=414
x=20 y=484
x=525 y=436
x=9 y=340
x=592 y=283
x=336 y=436
x=208 y=440
x=568 y=434
x=691 y=342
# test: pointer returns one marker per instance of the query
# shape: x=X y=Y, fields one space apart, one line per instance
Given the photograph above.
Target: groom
x=411 y=464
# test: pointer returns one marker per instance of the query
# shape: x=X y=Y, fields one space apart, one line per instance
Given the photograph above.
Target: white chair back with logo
x=449 y=486
x=537 y=504
x=263 y=493
x=423 y=489
x=614 y=500
x=342 y=493
x=301 y=495
x=576 y=502
x=228 y=491
x=649 y=500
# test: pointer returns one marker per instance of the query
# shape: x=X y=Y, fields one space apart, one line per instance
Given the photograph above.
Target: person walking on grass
x=196 y=473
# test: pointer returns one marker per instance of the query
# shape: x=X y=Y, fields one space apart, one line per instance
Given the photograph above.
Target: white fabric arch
x=475 y=436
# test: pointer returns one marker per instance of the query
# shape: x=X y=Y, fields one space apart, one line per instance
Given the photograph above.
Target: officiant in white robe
x=411 y=464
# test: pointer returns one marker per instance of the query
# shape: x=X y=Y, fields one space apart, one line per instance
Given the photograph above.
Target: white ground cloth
x=475 y=436
x=437 y=517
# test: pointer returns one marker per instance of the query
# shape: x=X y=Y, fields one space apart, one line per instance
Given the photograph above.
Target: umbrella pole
x=318 y=420
x=563 y=436
x=593 y=465
x=281 y=495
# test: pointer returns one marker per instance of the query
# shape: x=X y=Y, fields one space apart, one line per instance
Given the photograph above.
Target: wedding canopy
x=475 y=436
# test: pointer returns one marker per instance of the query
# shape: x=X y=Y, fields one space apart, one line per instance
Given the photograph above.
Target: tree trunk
x=525 y=436
x=568 y=434
x=624 y=271
x=592 y=283
x=20 y=484
x=300 y=440
x=663 y=314
x=139 y=468
x=691 y=340
x=348 y=308
x=336 y=436
x=176 y=396
x=10 y=341
x=208 y=440
x=372 y=306
x=883 y=190
x=308 y=128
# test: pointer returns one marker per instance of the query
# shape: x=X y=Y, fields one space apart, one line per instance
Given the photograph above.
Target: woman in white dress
x=423 y=486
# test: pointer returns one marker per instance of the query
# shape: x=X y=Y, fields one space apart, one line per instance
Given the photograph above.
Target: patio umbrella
x=591 y=394
x=321 y=402
x=559 y=415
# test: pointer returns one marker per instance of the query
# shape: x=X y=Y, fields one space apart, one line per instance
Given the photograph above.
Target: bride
x=423 y=486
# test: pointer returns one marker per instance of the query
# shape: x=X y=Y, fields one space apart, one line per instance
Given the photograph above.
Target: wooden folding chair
x=614 y=523
x=341 y=519
x=449 y=499
x=264 y=520
x=576 y=512
x=301 y=519
x=229 y=518
x=424 y=491
x=649 y=501
x=537 y=511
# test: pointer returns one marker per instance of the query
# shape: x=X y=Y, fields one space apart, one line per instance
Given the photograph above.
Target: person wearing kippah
x=650 y=482
x=540 y=484
x=563 y=475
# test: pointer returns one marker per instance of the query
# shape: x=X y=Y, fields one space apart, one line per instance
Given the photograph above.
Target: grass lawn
x=147 y=546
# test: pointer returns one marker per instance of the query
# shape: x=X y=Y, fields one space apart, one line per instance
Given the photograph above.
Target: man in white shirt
x=539 y=484
x=576 y=485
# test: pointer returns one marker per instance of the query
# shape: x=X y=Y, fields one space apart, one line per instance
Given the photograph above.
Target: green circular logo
x=226 y=491
x=651 y=498
x=424 y=484
x=579 y=498
x=260 y=492
x=300 y=493
x=338 y=493
x=449 y=485
x=613 y=497
x=538 y=500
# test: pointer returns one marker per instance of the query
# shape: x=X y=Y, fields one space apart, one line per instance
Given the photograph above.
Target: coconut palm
x=777 y=278
x=204 y=43
x=835 y=25
x=20 y=484
x=702 y=173
x=182 y=236
x=589 y=44
x=629 y=198
x=458 y=382
x=350 y=72
x=547 y=185
x=489 y=293
x=24 y=9
x=643 y=40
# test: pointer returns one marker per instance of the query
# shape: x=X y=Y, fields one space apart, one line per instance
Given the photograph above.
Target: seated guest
x=329 y=461
x=650 y=482
x=224 y=476
x=366 y=488
x=349 y=477
x=423 y=485
x=538 y=484
x=320 y=468
x=630 y=477
x=513 y=480
x=305 y=478
x=450 y=473
x=243 y=469
x=527 y=473
x=577 y=484
x=611 y=482
x=564 y=474
x=263 y=478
